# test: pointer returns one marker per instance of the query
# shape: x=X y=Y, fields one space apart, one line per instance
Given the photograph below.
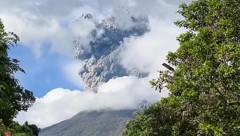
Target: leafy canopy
x=13 y=97
x=19 y=130
x=204 y=79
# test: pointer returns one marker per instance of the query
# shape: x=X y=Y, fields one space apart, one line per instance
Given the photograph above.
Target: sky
x=46 y=52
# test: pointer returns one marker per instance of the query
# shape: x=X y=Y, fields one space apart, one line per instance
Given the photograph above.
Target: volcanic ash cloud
x=99 y=49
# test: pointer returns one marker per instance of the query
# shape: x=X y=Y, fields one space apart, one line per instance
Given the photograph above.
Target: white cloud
x=38 y=21
x=71 y=70
x=148 y=52
x=34 y=34
x=60 y=104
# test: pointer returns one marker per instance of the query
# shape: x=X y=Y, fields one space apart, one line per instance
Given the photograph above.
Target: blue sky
x=42 y=74
x=46 y=51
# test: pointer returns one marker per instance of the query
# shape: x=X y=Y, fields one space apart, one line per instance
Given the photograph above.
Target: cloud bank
x=52 y=21
x=60 y=104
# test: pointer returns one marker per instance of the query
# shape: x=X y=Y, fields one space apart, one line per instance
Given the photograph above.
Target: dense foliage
x=13 y=97
x=19 y=130
x=204 y=78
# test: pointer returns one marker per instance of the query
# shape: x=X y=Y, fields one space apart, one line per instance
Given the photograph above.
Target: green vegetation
x=13 y=97
x=203 y=78
x=19 y=130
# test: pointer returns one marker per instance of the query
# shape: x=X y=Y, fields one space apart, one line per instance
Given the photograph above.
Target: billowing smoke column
x=100 y=55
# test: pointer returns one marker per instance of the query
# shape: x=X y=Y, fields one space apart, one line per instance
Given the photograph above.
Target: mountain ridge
x=92 y=123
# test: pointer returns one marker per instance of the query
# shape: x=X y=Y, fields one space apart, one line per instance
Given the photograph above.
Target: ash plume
x=100 y=54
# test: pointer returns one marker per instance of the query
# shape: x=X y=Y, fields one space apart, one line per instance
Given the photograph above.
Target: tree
x=204 y=86
x=19 y=130
x=13 y=97
x=35 y=129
